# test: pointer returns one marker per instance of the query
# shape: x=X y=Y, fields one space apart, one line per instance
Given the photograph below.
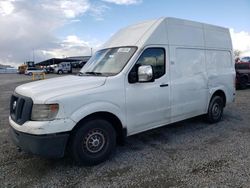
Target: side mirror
x=145 y=73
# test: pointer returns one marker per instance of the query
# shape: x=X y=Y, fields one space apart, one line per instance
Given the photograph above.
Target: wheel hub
x=94 y=141
x=216 y=110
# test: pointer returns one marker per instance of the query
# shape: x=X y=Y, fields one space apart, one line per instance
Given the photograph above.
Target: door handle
x=163 y=85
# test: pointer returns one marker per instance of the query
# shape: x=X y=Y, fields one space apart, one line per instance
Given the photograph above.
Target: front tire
x=93 y=142
x=215 y=110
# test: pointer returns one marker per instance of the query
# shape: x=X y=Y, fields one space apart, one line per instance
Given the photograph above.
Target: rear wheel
x=215 y=109
x=60 y=72
x=93 y=142
x=30 y=74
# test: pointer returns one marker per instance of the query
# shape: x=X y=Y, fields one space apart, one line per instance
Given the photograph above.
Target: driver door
x=148 y=103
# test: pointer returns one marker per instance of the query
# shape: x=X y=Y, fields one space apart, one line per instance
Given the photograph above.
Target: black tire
x=93 y=142
x=60 y=72
x=30 y=73
x=215 y=110
x=243 y=82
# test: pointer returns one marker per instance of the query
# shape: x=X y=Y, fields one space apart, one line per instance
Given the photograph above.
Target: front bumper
x=44 y=127
x=49 y=145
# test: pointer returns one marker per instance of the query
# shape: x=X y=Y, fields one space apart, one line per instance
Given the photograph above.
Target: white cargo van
x=147 y=75
x=64 y=67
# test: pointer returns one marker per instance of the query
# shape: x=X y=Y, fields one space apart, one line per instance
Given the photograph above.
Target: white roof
x=171 y=31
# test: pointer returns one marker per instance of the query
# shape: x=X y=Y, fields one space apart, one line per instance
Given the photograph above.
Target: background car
x=29 y=71
x=49 y=70
x=245 y=60
x=242 y=68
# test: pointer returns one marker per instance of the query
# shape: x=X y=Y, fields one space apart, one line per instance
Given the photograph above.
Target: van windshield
x=108 y=62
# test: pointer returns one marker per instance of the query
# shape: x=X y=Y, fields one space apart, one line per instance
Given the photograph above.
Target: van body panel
x=184 y=35
x=99 y=106
x=221 y=72
x=148 y=104
x=217 y=37
x=102 y=99
x=188 y=82
x=138 y=30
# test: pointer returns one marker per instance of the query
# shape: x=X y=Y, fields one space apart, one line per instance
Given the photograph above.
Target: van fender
x=213 y=90
x=95 y=107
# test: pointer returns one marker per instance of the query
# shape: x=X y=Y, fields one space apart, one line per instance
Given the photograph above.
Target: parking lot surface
x=190 y=153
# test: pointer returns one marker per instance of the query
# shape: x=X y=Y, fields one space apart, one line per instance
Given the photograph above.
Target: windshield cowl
x=95 y=74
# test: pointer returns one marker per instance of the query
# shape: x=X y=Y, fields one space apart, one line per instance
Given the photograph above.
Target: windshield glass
x=108 y=62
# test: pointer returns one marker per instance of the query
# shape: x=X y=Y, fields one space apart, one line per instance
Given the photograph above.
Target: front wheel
x=93 y=142
x=215 y=109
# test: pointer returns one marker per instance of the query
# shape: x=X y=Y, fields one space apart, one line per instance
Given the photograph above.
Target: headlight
x=44 y=112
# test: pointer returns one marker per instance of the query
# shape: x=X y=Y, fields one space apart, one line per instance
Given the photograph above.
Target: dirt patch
x=210 y=167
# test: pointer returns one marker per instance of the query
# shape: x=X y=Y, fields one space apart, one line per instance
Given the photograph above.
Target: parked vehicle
x=245 y=60
x=75 y=64
x=64 y=67
x=147 y=75
x=30 y=70
x=22 y=68
x=49 y=70
x=243 y=72
x=28 y=64
x=78 y=64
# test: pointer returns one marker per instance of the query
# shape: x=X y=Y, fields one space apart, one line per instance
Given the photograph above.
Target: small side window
x=154 y=57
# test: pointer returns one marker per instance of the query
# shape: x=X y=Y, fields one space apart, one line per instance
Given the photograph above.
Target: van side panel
x=189 y=89
x=217 y=38
x=221 y=73
x=185 y=35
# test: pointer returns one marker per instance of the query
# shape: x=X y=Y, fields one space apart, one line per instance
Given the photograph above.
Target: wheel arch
x=121 y=132
x=221 y=93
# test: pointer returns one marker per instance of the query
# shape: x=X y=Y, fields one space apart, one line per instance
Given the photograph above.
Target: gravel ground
x=190 y=153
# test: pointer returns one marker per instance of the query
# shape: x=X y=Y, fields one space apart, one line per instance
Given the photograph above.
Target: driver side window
x=154 y=57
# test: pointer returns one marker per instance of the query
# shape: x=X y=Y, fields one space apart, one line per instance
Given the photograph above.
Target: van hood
x=40 y=91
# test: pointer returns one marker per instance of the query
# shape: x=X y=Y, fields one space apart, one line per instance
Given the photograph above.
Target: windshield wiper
x=93 y=73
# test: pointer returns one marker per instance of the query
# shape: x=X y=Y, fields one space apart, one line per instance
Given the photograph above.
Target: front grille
x=20 y=108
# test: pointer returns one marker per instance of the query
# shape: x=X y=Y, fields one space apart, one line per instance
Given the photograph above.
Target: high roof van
x=147 y=75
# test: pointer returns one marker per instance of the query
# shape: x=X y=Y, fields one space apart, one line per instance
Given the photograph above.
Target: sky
x=42 y=29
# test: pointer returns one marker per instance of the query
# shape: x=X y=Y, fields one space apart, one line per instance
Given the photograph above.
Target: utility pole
x=33 y=56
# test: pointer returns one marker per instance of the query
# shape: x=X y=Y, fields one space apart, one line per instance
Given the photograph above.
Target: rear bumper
x=50 y=145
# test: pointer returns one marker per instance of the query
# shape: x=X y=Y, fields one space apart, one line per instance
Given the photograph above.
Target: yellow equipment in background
x=39 y=75
x=22 y=68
